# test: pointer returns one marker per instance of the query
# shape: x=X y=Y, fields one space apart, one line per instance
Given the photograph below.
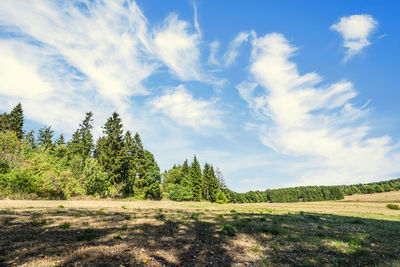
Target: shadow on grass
x=195 y=239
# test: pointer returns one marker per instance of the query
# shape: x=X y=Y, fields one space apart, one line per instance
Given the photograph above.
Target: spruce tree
x=30 y=139
x=214 y=186
x=109 y=150
x=129 y=163
x=60 y=141
x=45 y=137
x=86 y=137
x=196 y=179
x=140 y=164
x=206 y=181
x=5 y=122
x=17 y=120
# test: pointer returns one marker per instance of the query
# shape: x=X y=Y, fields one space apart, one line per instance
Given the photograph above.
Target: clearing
x=359 y=230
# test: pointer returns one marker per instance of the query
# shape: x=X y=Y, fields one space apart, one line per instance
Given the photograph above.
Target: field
x=357 y=231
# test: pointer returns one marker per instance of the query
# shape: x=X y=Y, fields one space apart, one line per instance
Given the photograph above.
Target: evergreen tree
x=140 y=164
x=129 y=163
x=185 y=168
x=17 y=120
x=45 y=137
x=109 y=151
x=153 y=177
x=30 y=139
x=196 y=179
x=73 y=145
x=86 y=137
x=214 y=186
x=5 y=122
x=206 y=181
x=60 y=141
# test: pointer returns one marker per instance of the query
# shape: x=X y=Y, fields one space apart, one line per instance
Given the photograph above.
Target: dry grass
x=387 y=197
x=164 y=233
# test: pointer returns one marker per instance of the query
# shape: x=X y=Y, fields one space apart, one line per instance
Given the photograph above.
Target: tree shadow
x=176 y=238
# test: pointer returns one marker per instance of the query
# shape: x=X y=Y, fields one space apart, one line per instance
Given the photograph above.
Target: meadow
x=357 y=231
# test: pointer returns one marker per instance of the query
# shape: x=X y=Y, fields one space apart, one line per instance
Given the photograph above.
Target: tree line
x=117 y=165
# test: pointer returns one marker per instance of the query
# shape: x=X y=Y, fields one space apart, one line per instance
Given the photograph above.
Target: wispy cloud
x=319 y=122
x=178 y=48
x=355 y=31
x=234 y=46
x=184 y=109
x=89 y=55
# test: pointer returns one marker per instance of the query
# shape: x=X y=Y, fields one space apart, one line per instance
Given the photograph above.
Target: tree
x=214 y=186
x=17 y=120
x=60 y=141
x=109 y=150
x=129 y=163
x=5 y=122
x=196 y=179
x=30 y=139
x=86 y=137
x=45 y=137
x=140 y=166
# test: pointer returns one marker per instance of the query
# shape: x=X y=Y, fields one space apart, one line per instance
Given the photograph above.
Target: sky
x=273 y=93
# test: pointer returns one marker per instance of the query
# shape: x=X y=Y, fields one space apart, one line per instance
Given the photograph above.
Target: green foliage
x=228 y=229
x=45 y=137
x=196 y=180
x=96 y=180
x=65 y=225
x=393 y=206
x=221 y=198
x=109 y=149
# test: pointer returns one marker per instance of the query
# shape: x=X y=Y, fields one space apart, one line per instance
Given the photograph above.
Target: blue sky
x=272 y=93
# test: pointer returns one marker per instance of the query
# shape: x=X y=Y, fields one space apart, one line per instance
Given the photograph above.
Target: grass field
x=357 y=231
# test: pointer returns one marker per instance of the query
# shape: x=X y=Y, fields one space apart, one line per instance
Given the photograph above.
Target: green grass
x=228 y=229
x=65 y=225
x=393 y=206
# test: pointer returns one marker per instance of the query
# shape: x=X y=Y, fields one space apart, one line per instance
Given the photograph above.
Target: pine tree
x=44 y=137
x=17 y=120
x=109 y=150
x=196 y=179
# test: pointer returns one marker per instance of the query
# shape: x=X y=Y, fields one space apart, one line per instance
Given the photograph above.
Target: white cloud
x=71 y=58
x=182 y=107
x=355 y=30
x=234 y=46
x=178 y=48
x=214 y=46
x=303 y=118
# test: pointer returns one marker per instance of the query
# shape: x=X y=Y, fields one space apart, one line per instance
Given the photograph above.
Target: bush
x=221 y=198
x=96 y=181
x=180 y=193
x=393 y=206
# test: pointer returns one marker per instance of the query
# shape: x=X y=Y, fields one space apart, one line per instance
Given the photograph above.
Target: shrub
x=96 y=181
x=393 y=206
x=221 y=198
